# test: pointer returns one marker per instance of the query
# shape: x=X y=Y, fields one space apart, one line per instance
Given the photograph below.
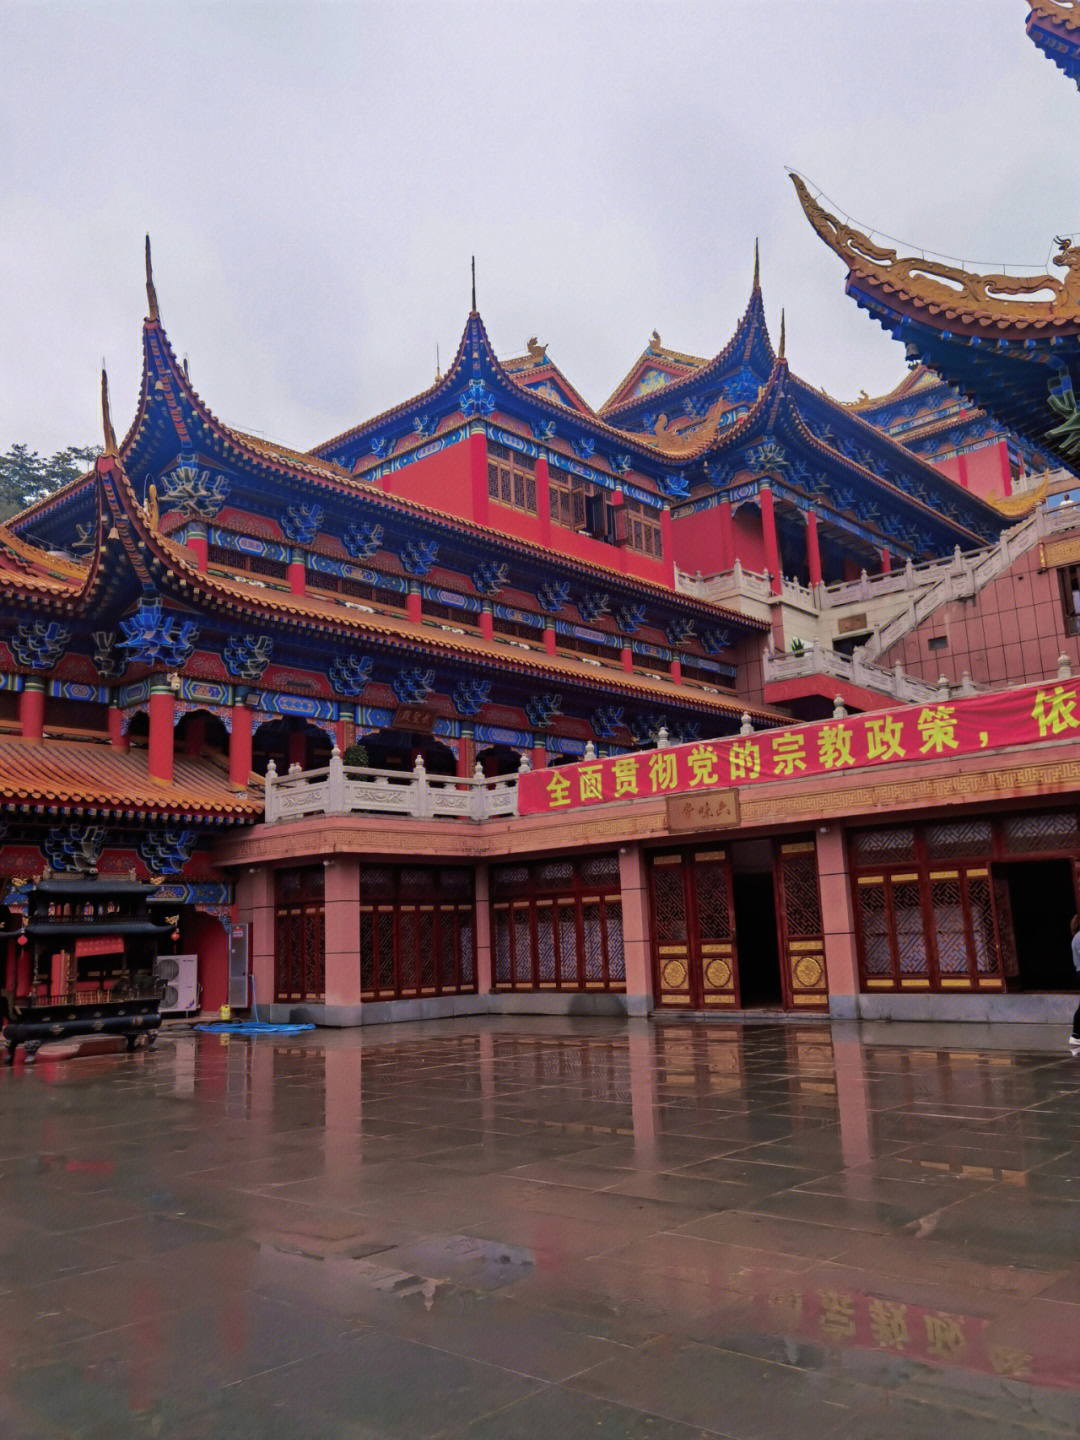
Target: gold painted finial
x=783 y=337
x=151 y=293
x=757 y=266
x=474 y=284
x=111 y=447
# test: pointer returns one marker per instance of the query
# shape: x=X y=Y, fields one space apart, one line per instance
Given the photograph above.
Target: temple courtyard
x=502 y=1229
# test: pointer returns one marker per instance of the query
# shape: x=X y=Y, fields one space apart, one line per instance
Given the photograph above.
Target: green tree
x=26 y=476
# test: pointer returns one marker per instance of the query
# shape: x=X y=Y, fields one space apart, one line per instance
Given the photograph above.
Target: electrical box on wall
x=239 y=995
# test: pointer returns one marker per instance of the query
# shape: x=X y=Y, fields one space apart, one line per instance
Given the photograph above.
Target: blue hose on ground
x=254 y=1026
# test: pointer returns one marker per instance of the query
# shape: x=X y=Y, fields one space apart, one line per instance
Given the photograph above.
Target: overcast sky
x=315 y=177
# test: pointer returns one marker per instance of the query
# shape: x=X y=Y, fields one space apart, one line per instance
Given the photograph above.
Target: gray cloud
x=315 y=178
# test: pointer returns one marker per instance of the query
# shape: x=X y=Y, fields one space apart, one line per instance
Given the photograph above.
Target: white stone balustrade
x=888 y=606
x=817 y=660
x=337 y=789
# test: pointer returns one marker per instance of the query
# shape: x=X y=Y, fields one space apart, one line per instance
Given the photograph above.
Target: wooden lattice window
x=1069 y=580
x=568 y=496
x=299 y=934
x=643 y=529
x=417 y=931
x=557 y=925
x=511 y=478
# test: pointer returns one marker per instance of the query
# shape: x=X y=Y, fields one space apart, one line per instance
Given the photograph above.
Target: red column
x=195 y=735
x=886 y=562
x=297 y=574
x=297 y=750
x=199 y=545
x=727 y=536
x=1006 y=470
x=676 y=670
x=626 y=655
x=538 y=758
x=549 y=639
x=240 y=746
x=342 y=930
x=543 y=498
x=667 y=538
x=159 y=760
x=466 y=758
x=414 y=605
x=813 y=549
x=32 y=710
x=487 y=621
x=772 y=544
x=117 y=739
x=477 y=443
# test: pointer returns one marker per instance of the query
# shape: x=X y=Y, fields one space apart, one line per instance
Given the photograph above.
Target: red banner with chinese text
x=935 y=731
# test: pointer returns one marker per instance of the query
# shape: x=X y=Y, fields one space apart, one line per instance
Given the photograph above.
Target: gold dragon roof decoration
x=1002 y=300
x=1062 y=12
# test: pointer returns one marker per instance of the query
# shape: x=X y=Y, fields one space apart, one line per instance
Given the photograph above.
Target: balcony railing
x=339 y=789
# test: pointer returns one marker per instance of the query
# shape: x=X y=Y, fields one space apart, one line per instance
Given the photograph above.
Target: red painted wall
x=984 y=472
x=1011 y=632
x=202 y=935
x=749 y=539
x=441 y=481
x=697 y=542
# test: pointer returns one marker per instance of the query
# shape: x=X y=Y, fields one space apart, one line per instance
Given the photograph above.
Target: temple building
x=344 y=707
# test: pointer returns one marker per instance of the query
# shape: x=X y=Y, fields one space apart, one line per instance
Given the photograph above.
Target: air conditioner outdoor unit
x=181 y=976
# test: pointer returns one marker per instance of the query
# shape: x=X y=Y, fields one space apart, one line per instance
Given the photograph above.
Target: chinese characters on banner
x=950 y=728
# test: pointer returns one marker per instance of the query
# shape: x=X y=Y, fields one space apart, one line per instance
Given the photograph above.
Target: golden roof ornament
x=992 y=298
x=151 y=293
x=111 y=447
x=783 y=337
x=537 y=352
x=757 y=265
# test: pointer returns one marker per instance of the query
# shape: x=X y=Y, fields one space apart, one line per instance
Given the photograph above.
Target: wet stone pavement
x=503 y=1229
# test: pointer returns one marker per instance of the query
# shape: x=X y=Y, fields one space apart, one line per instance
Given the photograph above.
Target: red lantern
x=22 y=939
x=175 y=936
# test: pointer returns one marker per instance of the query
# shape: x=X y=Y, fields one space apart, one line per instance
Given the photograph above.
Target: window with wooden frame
x=1069 y=579
x=643 y=529
x=511 y=478
x=557 y=925
x=417 y=931
x=568 y=496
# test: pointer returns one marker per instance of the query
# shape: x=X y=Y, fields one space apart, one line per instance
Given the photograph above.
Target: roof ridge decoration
x=111 y=448
x=986 y=299
x=1061 y=12
x=751 y=322
x=152 y=311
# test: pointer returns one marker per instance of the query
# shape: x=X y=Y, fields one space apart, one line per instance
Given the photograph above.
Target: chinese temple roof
x=1054 y=26
x=170 y=567
x=1005 y=340
x=655 y=368
x=537 y=375
x=78 y=775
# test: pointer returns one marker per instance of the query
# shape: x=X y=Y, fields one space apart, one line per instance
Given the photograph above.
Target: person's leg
x=1076 y=1026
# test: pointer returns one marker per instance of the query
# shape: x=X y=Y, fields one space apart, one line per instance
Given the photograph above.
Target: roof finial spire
x=111 y=447
x=783 y=337
x=757 y=266
x=474 y=284
x=151 y=293
x=438 y=367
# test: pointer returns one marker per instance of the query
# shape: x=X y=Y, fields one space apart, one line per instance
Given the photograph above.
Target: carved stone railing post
x=420 y=792
x=270 y=792
x=335 y=784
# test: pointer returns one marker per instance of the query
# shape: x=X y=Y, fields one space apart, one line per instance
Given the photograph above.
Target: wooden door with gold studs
x=693 y=928
x=801 y=931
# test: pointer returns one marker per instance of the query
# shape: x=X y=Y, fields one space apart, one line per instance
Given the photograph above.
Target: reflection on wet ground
x=501 y=1229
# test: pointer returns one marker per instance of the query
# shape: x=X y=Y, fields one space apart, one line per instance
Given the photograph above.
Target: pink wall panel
x=1011 y=632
